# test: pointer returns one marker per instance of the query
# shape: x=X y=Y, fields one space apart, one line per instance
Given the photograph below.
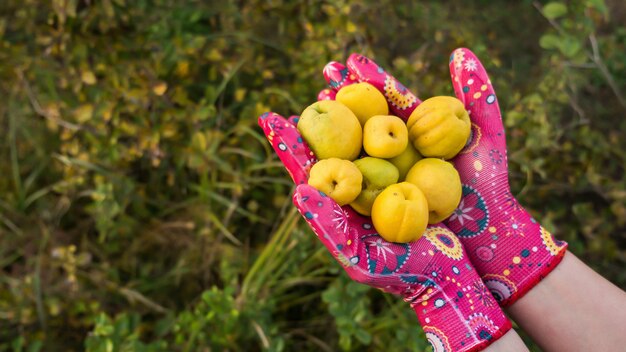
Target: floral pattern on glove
x=431 y=273
x=500 y=236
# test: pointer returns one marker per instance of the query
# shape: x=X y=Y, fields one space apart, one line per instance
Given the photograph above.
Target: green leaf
x=554 y=10
x=83 y=113
x=570 y=46
x=549 y=41
x=363 y=336
x=199 y=142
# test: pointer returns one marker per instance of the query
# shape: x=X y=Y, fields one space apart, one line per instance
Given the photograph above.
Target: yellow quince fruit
x=439 y=127
x=364 y=100
x=331 y=130
x=385 y=136
x=440 y=183
x=339 y=179
x=400 y=213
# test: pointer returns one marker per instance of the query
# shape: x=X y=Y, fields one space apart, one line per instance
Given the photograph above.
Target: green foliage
x=216 y=322
x=554 y=10
x=121 y=334
x=348 y=304
x=142 y=209
x=566 y=134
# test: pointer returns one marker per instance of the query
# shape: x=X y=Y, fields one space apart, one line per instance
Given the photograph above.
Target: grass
x=144 y=219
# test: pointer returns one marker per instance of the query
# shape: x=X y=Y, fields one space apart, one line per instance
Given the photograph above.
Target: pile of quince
x=382 y=167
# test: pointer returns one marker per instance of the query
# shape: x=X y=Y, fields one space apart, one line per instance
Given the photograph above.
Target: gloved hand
x=509 y=249
x=433 y=274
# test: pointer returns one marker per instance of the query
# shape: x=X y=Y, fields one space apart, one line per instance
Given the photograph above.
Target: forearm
x=573 y=309
x=510 y=342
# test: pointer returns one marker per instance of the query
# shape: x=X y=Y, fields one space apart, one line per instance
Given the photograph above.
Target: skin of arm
x=573 y=309
x=510 y=342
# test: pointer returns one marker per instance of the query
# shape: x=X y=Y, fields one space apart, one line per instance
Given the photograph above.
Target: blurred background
x=142 y=209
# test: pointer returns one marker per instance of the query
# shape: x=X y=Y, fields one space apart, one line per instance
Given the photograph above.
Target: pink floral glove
x=433 y=274
x=509 y=249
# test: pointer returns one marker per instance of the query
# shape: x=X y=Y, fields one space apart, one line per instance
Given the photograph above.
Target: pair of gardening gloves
x=456 y=277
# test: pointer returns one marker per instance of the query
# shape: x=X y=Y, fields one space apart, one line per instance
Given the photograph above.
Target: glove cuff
x=456 y=310
x=459 y=317
x=513 y=253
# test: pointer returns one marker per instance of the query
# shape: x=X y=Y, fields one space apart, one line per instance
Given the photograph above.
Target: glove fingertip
x=353 y=58
x=327 y=94
x=469 y=78
x=288 y=144
x=262 y=119
x=337 y=75
x=268 y=121
x=293 y=119
x=473 y=87
x=400 y=99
